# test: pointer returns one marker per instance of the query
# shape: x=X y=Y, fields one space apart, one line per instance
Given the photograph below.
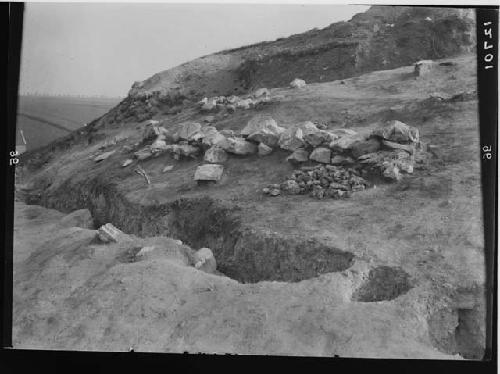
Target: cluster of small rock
x=233 y=102
x=320 y=181
x=203 y=259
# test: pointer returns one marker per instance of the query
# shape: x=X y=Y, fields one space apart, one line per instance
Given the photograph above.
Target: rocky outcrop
x=263 y=130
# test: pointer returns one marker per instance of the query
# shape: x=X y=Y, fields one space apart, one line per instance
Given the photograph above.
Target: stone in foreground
x=321 y=154
x=215 y=155
x=209 y=172
x=204 y=260
x=423 y=67
x=127 y=162
x=398 y=132
x=104 y=156
x=297 y=83
x=363 y=147
x=291 y=139
x=109 y=233
x=263 y=129
x=239 y=146
x=410 y=148
x=299 y=155
x=264 y=150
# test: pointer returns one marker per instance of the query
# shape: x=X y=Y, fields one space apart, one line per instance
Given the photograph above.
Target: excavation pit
x=383 y=283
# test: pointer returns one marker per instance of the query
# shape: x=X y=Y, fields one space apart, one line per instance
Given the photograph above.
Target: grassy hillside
x=44 y=119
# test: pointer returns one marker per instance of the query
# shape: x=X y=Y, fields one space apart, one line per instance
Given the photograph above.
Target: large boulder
x=410 y=148
x=187 y=130
x=209 y=172
x=346 y=142
x=314 y=136
x=240 y=146
x=363 y=147
x=264 y=150
x=398 y=132
x=159 y=144
x=151 y=130
x=186 y=150
x=215 y=155
x=298 y=156
x=321 y=154
x=263 y=129
x=209 y=106
x=342 y=160
x=204 y=260
x=203 y=132
x=210 y=137
x=297 y=83
x=291 y=139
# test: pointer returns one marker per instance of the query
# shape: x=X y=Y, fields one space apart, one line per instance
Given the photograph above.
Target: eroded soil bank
x=242 y=253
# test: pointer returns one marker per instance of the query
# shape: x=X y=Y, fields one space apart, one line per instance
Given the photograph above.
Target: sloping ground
x=381 y=38
x=45 y=119
x=72 y=293
x=394 y=271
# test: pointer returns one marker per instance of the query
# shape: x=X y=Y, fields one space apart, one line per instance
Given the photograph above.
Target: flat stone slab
x=209 y=172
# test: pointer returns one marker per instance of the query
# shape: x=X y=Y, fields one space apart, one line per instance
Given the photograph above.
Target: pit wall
x=242 y=254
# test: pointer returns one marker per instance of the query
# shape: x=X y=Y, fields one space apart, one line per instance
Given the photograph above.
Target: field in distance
x=46 y=118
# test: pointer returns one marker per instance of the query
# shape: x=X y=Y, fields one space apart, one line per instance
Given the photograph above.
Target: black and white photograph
x=251 y=179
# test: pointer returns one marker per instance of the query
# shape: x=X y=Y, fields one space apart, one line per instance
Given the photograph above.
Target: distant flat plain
x=46 y=118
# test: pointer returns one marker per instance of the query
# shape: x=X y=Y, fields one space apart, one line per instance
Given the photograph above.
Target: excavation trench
x=243 y=254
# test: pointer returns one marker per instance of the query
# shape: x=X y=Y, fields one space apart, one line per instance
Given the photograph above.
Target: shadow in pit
x=383 y=283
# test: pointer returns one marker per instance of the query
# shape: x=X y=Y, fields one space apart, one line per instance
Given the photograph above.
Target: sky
x=102 y=48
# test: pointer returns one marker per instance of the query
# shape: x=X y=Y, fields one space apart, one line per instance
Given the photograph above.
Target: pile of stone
x=320 y=181
x=344 y=157
x=390 y=149
x=233 y=102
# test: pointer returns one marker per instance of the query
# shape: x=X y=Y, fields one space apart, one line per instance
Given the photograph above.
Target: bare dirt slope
x=384 y=37
x=394 y=271
x=74 y=293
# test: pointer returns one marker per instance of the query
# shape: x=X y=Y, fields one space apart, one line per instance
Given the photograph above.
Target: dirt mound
x=384 y=37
